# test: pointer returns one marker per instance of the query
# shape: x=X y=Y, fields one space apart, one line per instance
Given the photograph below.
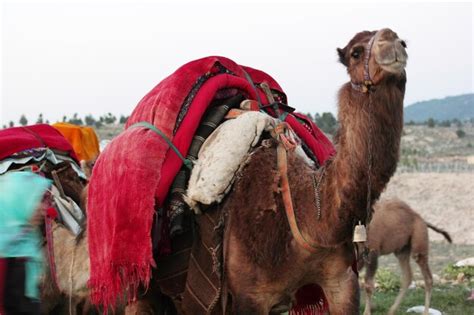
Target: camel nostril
x=403 y=44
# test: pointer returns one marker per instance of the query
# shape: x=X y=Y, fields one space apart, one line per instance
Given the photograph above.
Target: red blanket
x=135 y=171
x=18 y=139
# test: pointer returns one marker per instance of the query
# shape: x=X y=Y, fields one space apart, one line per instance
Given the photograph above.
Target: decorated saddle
x=137 y=183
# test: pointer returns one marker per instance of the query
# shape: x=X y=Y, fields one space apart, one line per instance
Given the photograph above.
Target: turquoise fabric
x=20 y=195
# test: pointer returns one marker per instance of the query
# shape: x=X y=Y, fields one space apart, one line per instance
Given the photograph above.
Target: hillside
x=452 y=107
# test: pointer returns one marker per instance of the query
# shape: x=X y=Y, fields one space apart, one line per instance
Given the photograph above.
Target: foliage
x=430 y=122
x=460 y=133
x=387 y=280
x=108 y=119
x=123 y=119
x=11 y=124
x=75 y=120
x=447 y=299
x=326 y=122
x=451 y=271
x=89 y=120
x=445 y=123
x=40 y=119
x=23 y=121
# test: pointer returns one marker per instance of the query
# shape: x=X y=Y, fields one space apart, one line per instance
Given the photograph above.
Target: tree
x=75 y=120
x=11 y=124
x=430 y=122
x=327 y=122
x=23 y=121
x=64 y=118
x=445 y=123
x=4 y=127
x=123 y=119
x=89 y=120
x=109 y=119
x=460 y=133
x=40 y=119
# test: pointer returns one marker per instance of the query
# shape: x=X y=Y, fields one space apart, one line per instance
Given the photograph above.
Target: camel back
x=162 y=128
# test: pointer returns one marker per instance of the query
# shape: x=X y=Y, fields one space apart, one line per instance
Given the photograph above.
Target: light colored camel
x=398 y=229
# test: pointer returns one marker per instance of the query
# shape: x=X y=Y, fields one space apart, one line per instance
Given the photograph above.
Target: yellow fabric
x=83 y=140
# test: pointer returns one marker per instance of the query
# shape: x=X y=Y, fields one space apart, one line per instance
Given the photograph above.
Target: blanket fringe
x=121 y=287
x=314 y=309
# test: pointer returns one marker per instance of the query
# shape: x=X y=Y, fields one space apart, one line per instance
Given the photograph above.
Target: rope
x=188 y=163
x=71 y=280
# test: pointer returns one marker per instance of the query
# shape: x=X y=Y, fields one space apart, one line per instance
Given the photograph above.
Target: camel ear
x=342 y=56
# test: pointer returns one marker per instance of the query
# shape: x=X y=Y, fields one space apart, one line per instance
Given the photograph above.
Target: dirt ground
x=443 y=199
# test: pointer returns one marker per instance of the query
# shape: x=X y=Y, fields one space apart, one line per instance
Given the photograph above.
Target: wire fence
x=433 y=167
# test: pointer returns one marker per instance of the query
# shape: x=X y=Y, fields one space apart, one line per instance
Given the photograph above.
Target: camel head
x=374 y=57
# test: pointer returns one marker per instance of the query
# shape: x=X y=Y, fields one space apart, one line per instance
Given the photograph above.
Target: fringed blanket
x=18 y=139
x=134 y=173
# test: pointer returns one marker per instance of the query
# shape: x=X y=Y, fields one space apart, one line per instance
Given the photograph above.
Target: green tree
x=430 y=122
x=109 y=119
x=460 y=133
x=40 y=119
x=123 y=119
x=445 y=123
x=11 y=124
x=75 y=120
x=23 y=121
x=64 y=118
x=89 y=120
x=327 y=122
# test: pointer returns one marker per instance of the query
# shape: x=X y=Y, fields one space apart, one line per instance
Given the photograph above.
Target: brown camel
x=396 y=228
x=264 y=264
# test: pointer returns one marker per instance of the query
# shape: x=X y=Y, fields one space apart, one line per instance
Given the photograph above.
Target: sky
x=94 y=57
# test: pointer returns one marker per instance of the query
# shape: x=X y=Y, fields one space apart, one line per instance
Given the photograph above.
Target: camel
x=69 y=292
x=264 y=263
x=396 y=228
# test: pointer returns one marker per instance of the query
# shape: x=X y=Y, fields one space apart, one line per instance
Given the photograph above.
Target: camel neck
x=370 y=126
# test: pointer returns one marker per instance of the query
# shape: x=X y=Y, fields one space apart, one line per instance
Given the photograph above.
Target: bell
x=360 y=234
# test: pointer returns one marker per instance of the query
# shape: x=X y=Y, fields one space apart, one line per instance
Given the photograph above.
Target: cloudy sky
x=62 y=57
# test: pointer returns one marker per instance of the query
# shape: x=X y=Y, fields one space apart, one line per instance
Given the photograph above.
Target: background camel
x=69 y=292
x=264 y=264
x=396 y=228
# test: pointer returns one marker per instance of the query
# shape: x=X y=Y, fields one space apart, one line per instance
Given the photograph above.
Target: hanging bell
x=360 y=233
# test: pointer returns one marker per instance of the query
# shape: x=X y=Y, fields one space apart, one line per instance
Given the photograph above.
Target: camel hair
x=396 y=228
x=264 y=265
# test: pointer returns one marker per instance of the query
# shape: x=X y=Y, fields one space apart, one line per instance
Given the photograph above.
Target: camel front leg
x=342 y=293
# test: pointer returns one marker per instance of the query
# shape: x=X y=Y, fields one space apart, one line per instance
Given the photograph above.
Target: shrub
x=430 y=122
x=451 y=271
x=387 y=280
x=460 y=133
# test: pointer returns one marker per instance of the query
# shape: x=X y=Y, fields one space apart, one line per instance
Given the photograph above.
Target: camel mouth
x=396 y=66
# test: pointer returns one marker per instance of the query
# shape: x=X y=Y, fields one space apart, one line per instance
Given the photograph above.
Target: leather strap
x=186 y=162
x=282 y=162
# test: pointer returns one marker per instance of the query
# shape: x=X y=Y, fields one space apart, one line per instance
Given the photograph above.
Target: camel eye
x=355 y=55
x=357 y=52
x=403 y=44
